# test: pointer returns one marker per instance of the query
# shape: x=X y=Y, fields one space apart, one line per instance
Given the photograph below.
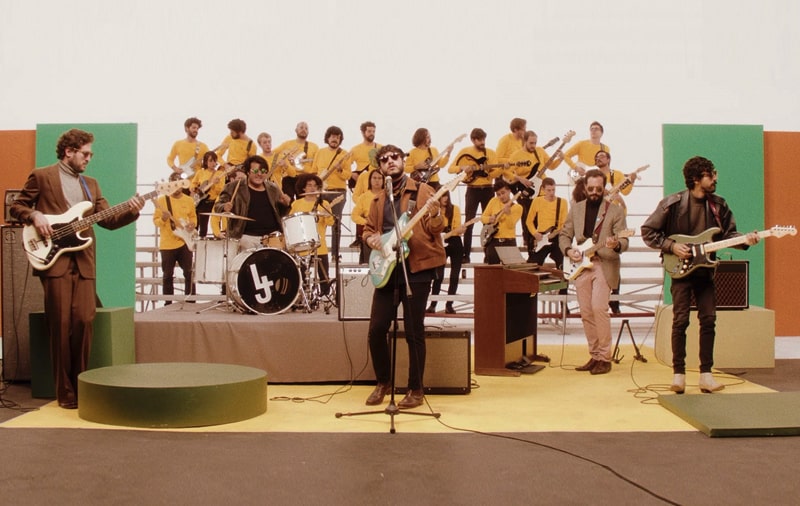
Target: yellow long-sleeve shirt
x=335 y=163
x=419 y=155
x=296 y=148
x=506 y=222
x=520 y=168
x=546 y=213
x=360 y=211
x=185 y=151
x=183 y=211
x=506 y=147
x=585 y=151
x=202 y=175
x=237 y=150
x=469 y=156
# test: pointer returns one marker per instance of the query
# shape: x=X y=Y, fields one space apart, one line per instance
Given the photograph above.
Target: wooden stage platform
x=293 y=347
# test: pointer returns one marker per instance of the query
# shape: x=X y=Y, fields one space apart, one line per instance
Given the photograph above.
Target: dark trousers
x=336 y=229
x=455 y=252
x=474 y=197
x=69 y=304
x=205 y=206
x=384 y=309
x=492 y=258
x=701 y=282
x=169 y=257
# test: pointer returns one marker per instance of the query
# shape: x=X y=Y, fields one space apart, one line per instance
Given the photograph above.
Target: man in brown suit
x=69 y=283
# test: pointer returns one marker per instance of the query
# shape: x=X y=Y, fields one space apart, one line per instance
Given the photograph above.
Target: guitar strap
x=169 y=208
x=86 y=188
x=448 y=213
x=534 y=167
x=596 y=234
x=338 y=150
x=305 y=148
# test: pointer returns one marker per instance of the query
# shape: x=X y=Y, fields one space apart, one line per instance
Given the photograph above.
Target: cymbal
x=230 y=216
x=319 y=193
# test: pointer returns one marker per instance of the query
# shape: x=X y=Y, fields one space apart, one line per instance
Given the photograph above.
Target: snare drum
x=265 y=281
x=301 y=232
x=273 y=240
x=209 y=259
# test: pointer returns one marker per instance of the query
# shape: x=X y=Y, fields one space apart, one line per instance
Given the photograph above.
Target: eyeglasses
x=594 y=189
x=713 y=173
x=259 y=170
x=385 y=158
x=86 y=154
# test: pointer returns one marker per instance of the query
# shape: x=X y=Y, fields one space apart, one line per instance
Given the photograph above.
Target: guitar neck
x=452 y=233
x=733 y=241
x=87 y=222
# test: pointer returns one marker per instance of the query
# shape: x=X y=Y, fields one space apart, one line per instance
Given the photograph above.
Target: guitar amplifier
x=447 y=365
x=732 y=285
x=11 y=196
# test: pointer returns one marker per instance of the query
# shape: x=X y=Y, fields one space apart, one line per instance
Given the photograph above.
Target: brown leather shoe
x=377 y=395
x=601 y=368
x=588 y=366
x=412 y=399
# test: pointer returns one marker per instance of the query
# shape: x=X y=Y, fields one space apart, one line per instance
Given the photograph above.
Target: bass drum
x=264 y=281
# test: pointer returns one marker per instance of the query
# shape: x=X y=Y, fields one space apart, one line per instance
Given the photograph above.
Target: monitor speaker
x=22 y=294
x=732 y=285
x=355 y=293
x=447 y=365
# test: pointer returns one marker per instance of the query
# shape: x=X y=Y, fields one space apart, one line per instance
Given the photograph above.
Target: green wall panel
x=738 y=154
x=114 y=166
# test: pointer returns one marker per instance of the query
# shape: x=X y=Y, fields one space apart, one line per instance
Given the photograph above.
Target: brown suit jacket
x=43 y=192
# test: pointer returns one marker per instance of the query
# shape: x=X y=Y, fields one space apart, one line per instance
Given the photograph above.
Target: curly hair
x=694 y=168
x=191 y=121
x=74 y=139
x=302 y=181
x=237 y=125
x=419 y=137
x=255 y=159
x=334 y=130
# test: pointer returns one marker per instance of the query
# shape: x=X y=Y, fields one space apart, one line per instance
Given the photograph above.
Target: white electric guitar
x=588 y=248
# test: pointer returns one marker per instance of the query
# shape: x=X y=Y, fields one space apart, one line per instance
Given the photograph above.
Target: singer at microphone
x=400 y=279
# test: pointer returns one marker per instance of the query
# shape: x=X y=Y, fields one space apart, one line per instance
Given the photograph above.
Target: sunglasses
x=393 y=156
x=259 y=171
x=594 y=189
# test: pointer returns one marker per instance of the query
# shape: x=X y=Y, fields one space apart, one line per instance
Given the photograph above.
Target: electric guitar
x=279 y=160
x=474 y=171
x=334 y=167
x=383 y=261
x=182 y=228
x=455 y=232
x=43 y=253
x=681 y=267
x=613 y=192
x=201 y=192
x=588 y=248
x=536 y=180
x=490 y=229
x=425 y=175
x=547 y=240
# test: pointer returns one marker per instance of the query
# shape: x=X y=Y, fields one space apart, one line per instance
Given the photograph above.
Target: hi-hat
x=230 y=216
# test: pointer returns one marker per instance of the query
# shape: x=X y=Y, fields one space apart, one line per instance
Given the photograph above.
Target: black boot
x=431 y=308
x=449 y=308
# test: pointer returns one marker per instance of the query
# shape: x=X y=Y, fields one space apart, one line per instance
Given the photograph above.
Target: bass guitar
x=480 y=167
x=425 y=175
x=701 y=248
x=490 y=229
x=42 y=253
x=383 y=261
x=334 y=167
x=588 y=248
x=201 y=192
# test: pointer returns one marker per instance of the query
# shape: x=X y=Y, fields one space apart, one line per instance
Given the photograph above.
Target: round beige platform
x=171 y=394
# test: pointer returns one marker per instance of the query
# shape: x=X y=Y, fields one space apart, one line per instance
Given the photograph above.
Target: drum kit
x=279 y=276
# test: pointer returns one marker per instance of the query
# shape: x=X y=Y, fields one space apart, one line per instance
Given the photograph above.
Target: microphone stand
x=392 y=410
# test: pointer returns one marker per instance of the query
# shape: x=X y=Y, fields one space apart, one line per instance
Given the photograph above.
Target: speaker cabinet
x=22 y=294
x=11 y=196
x=355 y=293
x=447 y=364
x=731 y=285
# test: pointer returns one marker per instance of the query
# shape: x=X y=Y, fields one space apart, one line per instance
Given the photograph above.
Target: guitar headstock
x=568 y=136
x=780 y=231
x=170 y=187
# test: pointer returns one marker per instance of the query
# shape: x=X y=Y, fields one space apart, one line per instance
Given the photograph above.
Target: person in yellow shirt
x=545 y=218
x=176 y=220
x=511 y=142
x=420 y=157
x=236 y=144
x=360 y=211
x=296 y=156
x=207 y=183
x=189 y=151
x=482 y=167
x=503 y=214
x=332 y=165
x=454 y=249
x=586 y=149
x=310 y=185
x=363 y=157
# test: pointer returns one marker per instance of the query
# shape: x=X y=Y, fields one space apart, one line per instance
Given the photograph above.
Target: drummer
x=257 y=205
x=309 y=200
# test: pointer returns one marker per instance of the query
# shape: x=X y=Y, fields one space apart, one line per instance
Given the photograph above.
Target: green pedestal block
x=113 y=344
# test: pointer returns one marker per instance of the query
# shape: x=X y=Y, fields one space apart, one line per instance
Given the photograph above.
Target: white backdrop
x=446 y=65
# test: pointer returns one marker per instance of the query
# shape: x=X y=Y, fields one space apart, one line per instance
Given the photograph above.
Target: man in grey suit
x=595 y=220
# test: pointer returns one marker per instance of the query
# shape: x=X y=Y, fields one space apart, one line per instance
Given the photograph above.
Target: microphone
x=389 y=188
x=551 y=142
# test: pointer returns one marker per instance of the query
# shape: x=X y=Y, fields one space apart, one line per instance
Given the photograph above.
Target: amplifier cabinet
x=731 y=285
x=354 y=289
x=447 y=365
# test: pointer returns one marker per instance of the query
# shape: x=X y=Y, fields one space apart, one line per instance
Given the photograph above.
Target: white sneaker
x=678 y=383
x=707 y=383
